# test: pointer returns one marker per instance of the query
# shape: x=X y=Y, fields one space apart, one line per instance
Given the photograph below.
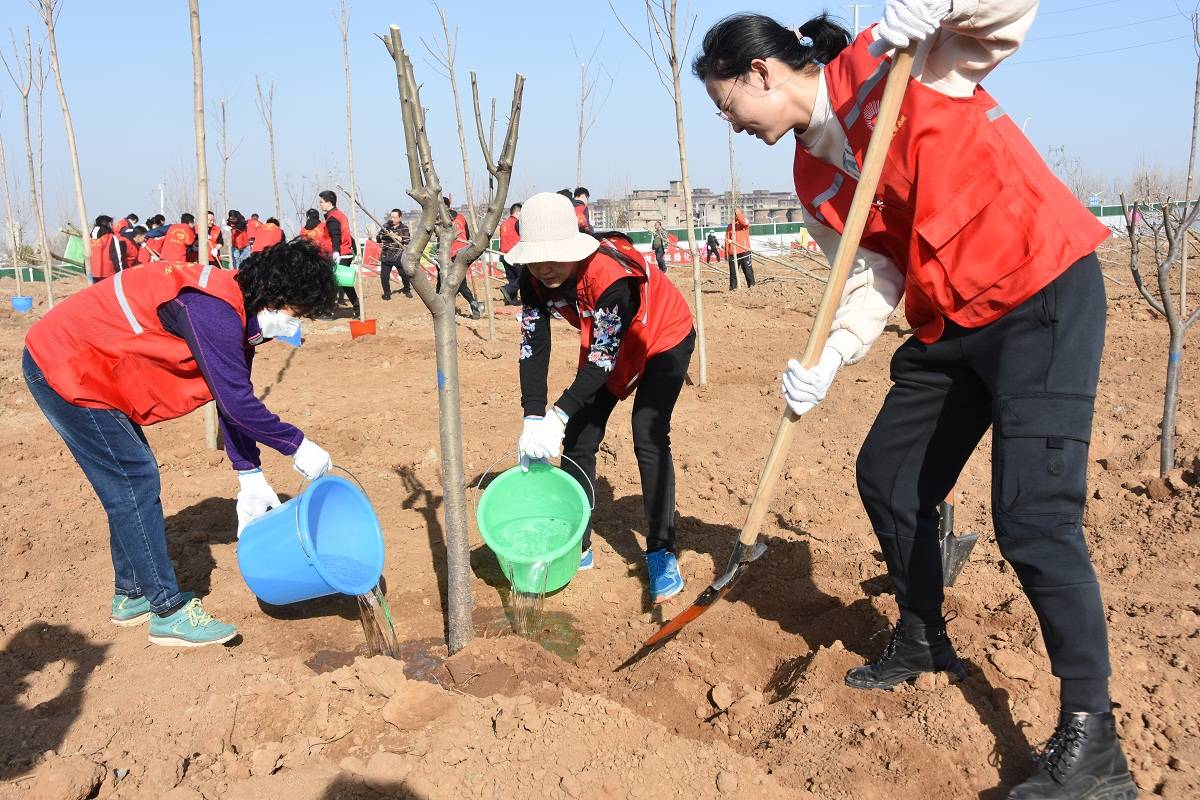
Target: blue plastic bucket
x=325 y=541
x=293 y=340
x=22 y=303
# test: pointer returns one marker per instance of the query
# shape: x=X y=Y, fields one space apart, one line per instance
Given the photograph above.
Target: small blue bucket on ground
x=325 y=541
x=22 y=303
x=294 y=340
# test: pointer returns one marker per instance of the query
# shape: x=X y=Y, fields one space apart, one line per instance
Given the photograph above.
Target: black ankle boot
x=1082 y=761
x=913 y=649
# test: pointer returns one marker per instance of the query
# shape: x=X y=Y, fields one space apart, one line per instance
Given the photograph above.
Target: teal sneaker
x=665 y=580
x=129 y=611
x=189 y=626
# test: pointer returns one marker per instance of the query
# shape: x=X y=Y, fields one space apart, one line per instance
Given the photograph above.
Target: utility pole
x=855 y=7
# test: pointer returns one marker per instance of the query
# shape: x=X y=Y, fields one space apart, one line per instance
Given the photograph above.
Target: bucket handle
x=488 y=471
x=300 y=490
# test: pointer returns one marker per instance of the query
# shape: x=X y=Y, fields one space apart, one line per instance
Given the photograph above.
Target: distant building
x=643 y=207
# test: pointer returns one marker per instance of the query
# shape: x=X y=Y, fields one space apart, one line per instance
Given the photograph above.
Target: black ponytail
x=731 y=44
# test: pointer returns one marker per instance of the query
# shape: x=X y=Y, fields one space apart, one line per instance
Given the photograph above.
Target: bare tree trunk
x=663 y=35
x=582 y=105
x=22 y=78
x=49 y=12
x=1191 y=170
x=344 y=23
x=266 y=110
x=447 y=58
x=14 y=247
x=733 y=193
x=426 y=189
x=202 y=229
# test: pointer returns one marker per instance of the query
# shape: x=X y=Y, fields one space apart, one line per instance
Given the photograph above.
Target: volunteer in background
x=265 y=234
x=583 y=215
x=344 y=246
x=391 y=253
x=154 y=344
x=714 y=248
x=178 y=240
x=314 y=231
x=215 y=240
x=658 y=243
x=636 y=335
x=239 y=237
x=462 y=237
x=995 y=260
x=737 y=250
x=510 y=234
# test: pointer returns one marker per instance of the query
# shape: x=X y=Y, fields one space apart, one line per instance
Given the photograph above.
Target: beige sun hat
x=549 y=232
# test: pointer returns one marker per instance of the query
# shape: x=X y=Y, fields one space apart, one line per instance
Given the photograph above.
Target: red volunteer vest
x=176 y=242
x=102 y=257
x=266 y=235
x=104 y=347
x=663 y=320
x=129 y=252
x=581 y=216
x=121 y=225
x=319 y=236
x=214 y=242
x=240 y=239
x=508 y=234
x=345 y=246
x=966 y=207
x=460 y=239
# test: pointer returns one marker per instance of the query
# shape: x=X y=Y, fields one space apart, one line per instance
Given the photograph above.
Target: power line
x=1077 y=8
x=1098 y=30
x=1100 y=52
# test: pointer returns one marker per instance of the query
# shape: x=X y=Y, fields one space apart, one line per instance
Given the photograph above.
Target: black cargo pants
x=1031 y=376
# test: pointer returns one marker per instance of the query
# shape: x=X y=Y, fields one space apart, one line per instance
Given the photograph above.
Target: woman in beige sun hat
x=636 y=337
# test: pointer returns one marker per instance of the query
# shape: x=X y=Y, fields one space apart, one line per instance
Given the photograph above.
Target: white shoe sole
x=173 y=641
x=133 y=622
x=662 y=598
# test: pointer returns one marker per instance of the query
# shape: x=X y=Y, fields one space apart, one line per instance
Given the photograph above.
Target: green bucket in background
x=535 y=518
x=345 y=275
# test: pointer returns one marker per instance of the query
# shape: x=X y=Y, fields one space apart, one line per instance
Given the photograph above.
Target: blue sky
x=1081 y=80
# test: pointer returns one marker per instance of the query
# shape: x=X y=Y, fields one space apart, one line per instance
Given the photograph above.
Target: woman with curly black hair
x=151 y=344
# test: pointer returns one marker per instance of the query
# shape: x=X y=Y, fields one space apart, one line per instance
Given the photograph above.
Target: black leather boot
x=1081 y=761
x=912 y=649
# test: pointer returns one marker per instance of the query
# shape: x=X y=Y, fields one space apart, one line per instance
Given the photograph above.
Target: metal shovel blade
x=956 y=548
x=718 y=589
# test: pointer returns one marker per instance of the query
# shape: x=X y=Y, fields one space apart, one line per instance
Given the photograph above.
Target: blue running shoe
x=665 y=580
x=129 y=611
x=189 y=626
x=585 y=560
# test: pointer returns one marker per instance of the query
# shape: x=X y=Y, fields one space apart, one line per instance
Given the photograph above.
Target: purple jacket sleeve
x=215 y=336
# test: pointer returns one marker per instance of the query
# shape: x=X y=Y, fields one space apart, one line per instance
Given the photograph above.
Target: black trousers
x=385 y=277
x=510 y=291
x=464 y=290
x=713 y=252
x=660 y=254
x=743 y=261
x=349 y=292
x=1031 y=376
x=653 y=404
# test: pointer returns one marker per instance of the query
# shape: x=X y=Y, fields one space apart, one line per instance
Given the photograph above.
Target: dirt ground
x=748 y=702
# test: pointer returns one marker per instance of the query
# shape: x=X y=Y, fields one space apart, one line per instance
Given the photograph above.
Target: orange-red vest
x=266 y=235
x=214 y=243
x=104 y=347
x=178 y=239
x=240 y=238
x=965 y=207
x=345 y=246
x=581 y=215
x=509 y=236
x=320 y=237
x=460 y=239
x=663 y=320
x=103 y=265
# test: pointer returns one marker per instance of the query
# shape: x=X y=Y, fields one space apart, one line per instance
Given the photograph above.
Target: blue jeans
x=238 y=256
x=116 y=459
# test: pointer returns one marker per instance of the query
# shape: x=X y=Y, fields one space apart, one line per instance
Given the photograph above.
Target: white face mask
x=276 y=324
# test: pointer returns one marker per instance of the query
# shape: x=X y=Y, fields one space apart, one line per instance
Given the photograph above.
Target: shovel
x=956 y=548
x=747 y=548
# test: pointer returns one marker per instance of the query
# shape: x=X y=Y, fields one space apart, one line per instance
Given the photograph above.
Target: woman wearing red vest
x=635 y=335
x=106 y=250
x=152 y=344
x=737 y=250
x=462 y=237
x=994 y=259
x=215 y=240
x=178 y=240
x=315 y=232
x=510 y=234
x=265 y=234
x=239 y=237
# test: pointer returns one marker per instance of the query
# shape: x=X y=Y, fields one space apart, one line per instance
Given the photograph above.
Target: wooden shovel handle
x=856 y=220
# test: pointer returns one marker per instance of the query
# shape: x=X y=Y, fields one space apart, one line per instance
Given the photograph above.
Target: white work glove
x=804 y=388
x=541 y=437
x=255 y=498
x=336 y=257
x=907 y=21
x=310 y=460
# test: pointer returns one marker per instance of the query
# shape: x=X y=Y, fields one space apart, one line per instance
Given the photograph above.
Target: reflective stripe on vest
x=119 y=288
x=203 y=282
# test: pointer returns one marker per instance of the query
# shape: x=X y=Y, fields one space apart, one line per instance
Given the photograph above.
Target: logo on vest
x=870 y=112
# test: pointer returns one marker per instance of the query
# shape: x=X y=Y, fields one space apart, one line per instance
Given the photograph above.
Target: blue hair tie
x=806 y=41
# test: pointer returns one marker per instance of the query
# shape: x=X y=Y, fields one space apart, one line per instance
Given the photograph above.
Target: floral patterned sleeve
x=535 y=349
x=615 y=310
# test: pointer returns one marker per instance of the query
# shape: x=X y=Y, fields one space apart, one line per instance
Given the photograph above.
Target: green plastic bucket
x=535 y=518
x=345 y=275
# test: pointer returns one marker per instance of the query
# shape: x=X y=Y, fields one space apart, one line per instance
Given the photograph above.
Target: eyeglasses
x=723 y=109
